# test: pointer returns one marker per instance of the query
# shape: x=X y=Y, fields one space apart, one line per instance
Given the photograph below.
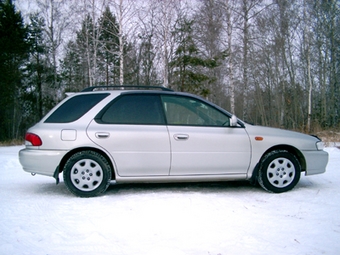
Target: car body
x=98 y=136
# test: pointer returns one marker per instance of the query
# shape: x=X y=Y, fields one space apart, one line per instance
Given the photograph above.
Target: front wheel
x=87 y=174
x=279 y=171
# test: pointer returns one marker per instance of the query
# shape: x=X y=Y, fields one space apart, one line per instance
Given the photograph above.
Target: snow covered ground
x=38 y=217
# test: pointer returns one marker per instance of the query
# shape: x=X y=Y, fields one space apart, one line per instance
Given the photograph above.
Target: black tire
x=279 y=171
x=87 y=174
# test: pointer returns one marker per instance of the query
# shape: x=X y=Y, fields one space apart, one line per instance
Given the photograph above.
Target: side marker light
x=258 y=138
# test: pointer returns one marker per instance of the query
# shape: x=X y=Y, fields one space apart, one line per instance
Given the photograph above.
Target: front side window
x=192 y=112
x=74 y=108
x=134 y=109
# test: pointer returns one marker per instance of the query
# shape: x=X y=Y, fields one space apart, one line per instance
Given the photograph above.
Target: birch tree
x=165 y=20
x=228 y=10
x=248 y=11
x=306 y=53
x=209 y=33
x=55 y=14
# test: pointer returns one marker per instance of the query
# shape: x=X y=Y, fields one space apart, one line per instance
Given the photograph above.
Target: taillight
x=33 y=139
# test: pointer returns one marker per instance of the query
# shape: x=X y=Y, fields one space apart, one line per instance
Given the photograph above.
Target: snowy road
x=38 y=217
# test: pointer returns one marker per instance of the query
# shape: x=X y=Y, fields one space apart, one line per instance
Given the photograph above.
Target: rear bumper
x=316 y=162
x=42 y=162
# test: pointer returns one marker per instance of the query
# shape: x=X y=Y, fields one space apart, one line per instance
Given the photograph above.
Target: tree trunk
x=121 y=44
x=230 y=58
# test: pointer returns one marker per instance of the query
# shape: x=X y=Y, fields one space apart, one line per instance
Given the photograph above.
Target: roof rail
x=93 y=88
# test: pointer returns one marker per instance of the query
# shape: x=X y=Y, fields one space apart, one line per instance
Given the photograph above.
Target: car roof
x=116 y=90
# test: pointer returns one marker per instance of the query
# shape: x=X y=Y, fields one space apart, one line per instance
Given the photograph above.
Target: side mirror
x=233 y=121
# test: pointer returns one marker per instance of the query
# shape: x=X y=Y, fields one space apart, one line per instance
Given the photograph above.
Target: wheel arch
x=291 y=149
x=71 y=152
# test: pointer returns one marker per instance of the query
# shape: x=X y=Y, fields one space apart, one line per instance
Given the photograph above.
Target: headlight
x=320 y=146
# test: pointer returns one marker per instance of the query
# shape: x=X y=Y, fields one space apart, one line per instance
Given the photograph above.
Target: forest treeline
x=271 y=62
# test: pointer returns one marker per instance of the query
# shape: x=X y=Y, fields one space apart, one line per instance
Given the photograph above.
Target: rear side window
x=74 y=108
x=134 y=110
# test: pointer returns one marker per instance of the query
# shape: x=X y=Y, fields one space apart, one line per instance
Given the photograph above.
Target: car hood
x=276 y=136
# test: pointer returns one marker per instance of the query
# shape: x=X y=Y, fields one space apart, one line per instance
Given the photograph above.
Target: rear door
x=202 y=141
x=132 y=129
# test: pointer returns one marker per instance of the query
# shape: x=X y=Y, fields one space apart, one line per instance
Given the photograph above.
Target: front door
x=202 y=142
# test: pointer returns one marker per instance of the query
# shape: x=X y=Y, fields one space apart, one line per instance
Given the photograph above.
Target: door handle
x=101 y=135
x=181 y=137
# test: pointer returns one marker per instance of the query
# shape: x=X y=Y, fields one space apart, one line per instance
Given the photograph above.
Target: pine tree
x=73 y=70
x=84 y=48
x=38 y=72
x=14 y=48
x=109 y=47
x=188 y=65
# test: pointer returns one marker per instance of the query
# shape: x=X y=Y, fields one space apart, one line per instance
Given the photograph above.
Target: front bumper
x=42 y=162
x=316 y=162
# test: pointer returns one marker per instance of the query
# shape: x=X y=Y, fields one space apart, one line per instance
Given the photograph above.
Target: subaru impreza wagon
x=104 y=135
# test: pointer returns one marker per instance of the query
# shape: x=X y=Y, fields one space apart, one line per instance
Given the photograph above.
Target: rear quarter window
x=74 y=108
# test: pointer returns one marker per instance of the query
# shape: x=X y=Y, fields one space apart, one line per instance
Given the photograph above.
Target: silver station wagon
x=99 y=136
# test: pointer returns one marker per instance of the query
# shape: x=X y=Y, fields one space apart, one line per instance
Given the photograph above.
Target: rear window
x=74 y=108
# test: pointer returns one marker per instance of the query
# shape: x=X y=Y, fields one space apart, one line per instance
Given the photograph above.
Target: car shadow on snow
x=304 y=185
x=205 y=187
x=51 y=189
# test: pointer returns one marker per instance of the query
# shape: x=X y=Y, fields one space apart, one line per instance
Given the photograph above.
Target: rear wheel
x=279 y=171
x=87 y=174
